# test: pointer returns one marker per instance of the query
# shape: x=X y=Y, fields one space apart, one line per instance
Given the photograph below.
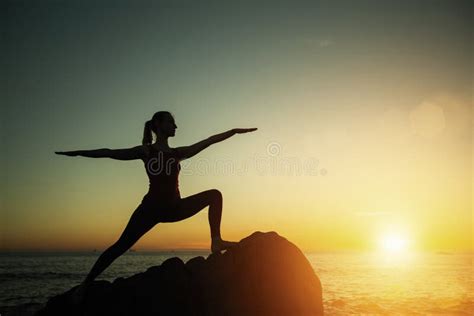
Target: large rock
x=264 y=274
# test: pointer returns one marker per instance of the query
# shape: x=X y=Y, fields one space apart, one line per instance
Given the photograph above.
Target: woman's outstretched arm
x=94 y=153
x=136 y=152
x=189 y=151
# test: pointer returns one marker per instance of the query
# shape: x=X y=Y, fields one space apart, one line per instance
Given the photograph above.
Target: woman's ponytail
x=147 y=131
x=147 y=135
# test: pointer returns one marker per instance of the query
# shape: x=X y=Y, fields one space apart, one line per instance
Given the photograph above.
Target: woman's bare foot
x=217 y=245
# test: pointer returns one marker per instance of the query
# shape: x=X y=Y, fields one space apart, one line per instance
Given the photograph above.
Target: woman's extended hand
x=68 y=153
x=244 y=130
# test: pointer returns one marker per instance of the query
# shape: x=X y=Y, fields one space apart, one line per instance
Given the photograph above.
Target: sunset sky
x=364 y=117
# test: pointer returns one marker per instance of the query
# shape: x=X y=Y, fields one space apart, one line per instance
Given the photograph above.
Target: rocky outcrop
x=264 y=274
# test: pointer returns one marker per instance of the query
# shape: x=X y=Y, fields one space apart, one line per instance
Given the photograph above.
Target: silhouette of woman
x=163 y=202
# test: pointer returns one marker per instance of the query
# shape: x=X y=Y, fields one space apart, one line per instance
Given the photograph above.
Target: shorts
x=160 y=204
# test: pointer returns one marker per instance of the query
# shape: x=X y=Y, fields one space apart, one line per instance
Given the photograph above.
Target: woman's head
x=162 y=124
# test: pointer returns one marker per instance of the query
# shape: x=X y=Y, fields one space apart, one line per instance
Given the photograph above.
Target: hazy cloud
x=319 y=42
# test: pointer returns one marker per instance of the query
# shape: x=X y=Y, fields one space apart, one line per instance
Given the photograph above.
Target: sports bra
x=162 y=169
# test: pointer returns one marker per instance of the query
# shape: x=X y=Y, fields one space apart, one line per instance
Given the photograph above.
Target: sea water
x=353 y=283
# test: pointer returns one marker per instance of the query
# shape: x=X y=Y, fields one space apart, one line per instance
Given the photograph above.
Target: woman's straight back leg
x=141 y=221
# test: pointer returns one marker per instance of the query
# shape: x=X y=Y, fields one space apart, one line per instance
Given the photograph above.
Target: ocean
x=353 y=283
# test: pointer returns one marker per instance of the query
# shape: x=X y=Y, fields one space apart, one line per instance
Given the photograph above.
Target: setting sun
x=393 y=243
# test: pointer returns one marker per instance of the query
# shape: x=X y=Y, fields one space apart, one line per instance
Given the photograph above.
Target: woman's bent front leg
x=191 y=205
